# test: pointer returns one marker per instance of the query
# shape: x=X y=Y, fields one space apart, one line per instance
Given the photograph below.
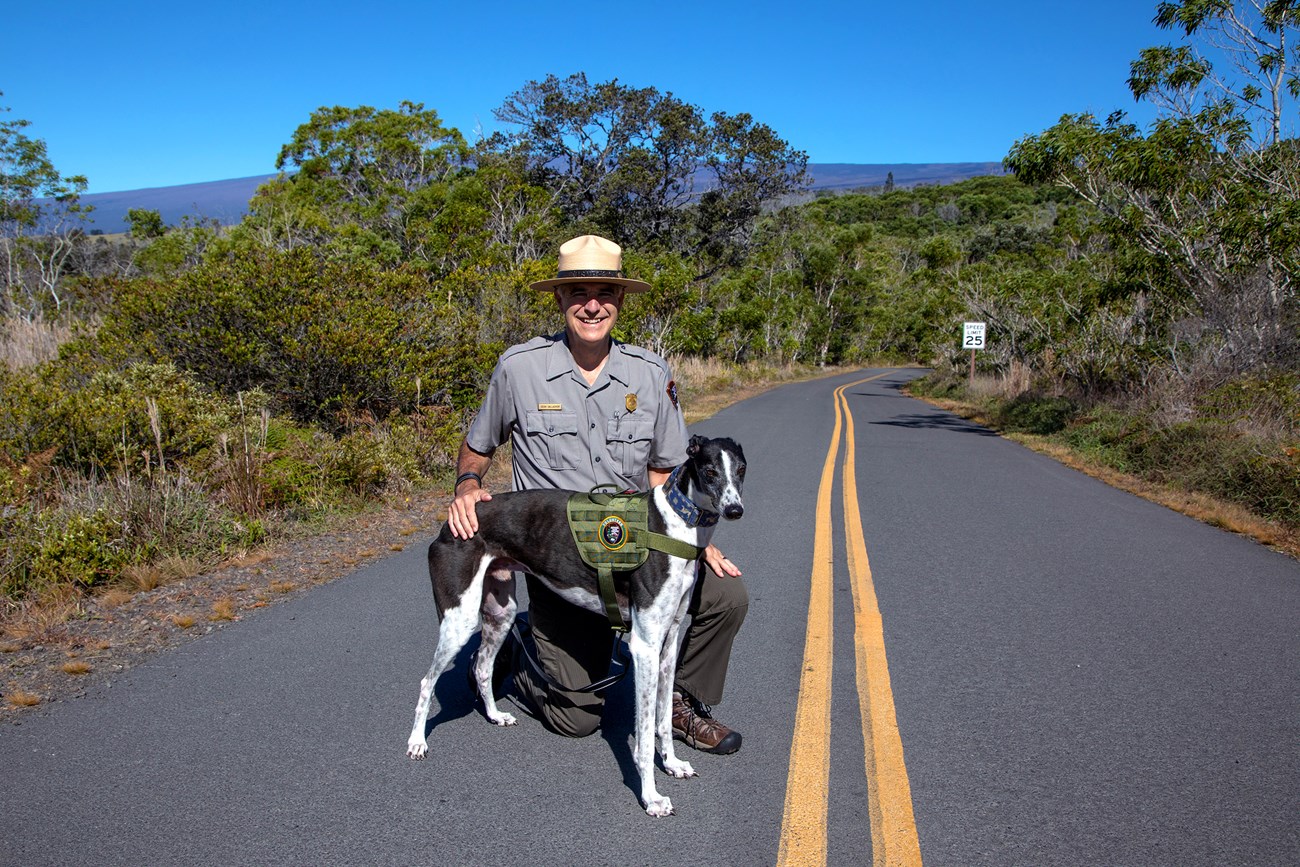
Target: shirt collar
x=559 y=360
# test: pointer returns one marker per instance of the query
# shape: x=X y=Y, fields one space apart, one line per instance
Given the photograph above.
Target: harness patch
x=613 y=533
x=606 y=528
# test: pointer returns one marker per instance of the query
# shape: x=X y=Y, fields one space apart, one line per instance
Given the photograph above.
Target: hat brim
x=628 y=285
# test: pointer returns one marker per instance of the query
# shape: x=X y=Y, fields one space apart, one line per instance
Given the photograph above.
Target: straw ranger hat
x=591 y=259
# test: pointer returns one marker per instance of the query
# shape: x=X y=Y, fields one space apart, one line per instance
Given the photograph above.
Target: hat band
x=591 y=273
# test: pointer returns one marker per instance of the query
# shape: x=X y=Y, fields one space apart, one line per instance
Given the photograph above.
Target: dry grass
x=184 y=621
x=143 y=577
x=44 y=618
x=223 y=609
x=283 y=586
x=151 y=576
x=22 y=698
x=115 y=597
x=75 y=666
x=26 y=344
x=248 y=558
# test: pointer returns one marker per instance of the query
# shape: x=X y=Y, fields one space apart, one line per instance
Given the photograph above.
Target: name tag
x=544 y=407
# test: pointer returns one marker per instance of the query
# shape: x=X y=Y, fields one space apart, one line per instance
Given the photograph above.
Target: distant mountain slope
x=223 y=201
x=227 y=201
x=847 y=176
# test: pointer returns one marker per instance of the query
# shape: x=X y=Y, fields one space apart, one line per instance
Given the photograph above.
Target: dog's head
x=718 y=471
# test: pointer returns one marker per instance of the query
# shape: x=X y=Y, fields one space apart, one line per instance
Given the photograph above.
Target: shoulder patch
x=672 y=392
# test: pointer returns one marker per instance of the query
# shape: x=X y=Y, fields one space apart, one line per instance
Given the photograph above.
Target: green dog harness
x=612 y=533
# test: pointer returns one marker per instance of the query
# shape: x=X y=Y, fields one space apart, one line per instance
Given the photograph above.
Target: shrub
x=99 y=527
x=1266 y=403
x=329 y=338
x=110 y=418
x=50 y=547
x=1204 y=455
x=1036 y=414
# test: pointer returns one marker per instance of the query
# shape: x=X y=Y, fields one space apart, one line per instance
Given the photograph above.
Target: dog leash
x=622 y=660
x=619 y=655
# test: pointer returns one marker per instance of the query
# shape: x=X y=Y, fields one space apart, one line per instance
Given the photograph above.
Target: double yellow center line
x=894 y=839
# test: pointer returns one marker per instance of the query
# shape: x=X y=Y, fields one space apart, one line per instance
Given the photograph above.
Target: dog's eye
x=741 y=473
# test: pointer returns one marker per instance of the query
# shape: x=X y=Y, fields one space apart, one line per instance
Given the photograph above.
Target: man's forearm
x=469 y=464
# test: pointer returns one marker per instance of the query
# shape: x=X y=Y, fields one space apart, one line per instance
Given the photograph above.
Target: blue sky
x=147 y=94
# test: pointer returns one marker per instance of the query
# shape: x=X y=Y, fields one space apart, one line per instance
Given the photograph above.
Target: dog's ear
x=694 y=446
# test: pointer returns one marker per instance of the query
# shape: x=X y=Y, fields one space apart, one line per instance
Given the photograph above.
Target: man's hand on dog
x=461 y=517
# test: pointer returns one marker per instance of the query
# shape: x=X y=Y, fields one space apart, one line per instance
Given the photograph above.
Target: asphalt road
x=1079 y=677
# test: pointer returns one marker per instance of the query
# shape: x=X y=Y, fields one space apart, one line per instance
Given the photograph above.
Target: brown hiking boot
x=696 y=727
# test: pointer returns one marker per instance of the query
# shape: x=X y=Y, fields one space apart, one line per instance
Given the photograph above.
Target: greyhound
x=528 y=531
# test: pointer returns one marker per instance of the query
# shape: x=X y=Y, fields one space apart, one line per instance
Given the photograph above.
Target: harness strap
x=605 y=574
x=670 y=546
x=605 y=580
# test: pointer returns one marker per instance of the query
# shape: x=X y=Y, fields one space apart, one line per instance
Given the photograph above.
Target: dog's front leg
x=664 y=697
x=645 y=658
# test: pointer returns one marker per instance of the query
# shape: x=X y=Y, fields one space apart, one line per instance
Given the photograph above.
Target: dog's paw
x=658 y=806
x=501 y=718
x=416 y=749
x=679 y=768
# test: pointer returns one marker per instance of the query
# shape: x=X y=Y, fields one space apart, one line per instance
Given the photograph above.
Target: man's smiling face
x=590 y=311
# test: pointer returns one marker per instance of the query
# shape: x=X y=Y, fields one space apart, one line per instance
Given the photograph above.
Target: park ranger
x=580 y=410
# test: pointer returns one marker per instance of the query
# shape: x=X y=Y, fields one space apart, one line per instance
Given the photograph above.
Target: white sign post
x=972 y=338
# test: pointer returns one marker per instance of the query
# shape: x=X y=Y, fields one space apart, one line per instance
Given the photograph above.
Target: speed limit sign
x=972 y=338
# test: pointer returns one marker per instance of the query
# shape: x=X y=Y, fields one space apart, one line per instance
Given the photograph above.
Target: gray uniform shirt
x=570 y=435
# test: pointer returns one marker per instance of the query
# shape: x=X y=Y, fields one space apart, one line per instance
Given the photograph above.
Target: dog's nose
x=733 y=511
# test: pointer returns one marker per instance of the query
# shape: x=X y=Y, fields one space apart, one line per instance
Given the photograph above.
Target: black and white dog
x=528 y=531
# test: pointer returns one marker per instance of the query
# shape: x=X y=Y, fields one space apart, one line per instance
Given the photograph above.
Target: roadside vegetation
x=178 y=396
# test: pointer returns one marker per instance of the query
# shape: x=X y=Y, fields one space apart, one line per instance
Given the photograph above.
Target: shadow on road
x=937 y=421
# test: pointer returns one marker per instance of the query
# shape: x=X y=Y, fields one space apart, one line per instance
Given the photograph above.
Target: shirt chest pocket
x=628 y=439
x=554 y=437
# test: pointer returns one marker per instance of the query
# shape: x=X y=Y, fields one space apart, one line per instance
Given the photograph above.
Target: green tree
x=40 y=222
x=1205 y=204
x=144 y=225
x=1255 y=77
x=622 y=158
x=751 y=167
x=375 y=182
x=645 y=167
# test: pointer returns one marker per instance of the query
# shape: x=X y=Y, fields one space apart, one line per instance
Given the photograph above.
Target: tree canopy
x=1207 y=199
x=645 y=167
x=39 y=208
